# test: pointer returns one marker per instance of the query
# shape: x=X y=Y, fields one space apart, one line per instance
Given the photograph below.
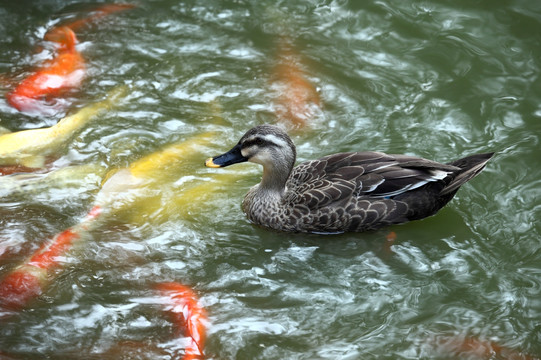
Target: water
x=435 y=79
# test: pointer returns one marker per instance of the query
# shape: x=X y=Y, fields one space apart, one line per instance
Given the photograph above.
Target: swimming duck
x=351 y=191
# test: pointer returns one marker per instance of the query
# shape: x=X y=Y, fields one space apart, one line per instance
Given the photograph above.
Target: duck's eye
x=255 y=142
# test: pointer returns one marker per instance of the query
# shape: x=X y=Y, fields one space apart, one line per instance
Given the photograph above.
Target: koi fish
x=390 y=239
x=143 y=179
x=147 y=174
x=65 y=71
x=28 y=150
x=482 y=349
x=188 y=316
x=149 y=186
x=189 y=200
x=297 y=99
x=29 y=280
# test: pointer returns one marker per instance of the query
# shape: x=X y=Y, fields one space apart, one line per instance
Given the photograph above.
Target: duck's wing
x=338 y=178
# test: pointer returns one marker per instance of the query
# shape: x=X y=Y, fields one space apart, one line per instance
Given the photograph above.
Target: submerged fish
x=65 y=71
x=143 y=179
x=133 y=188
x=31 y=148
x=28 y=280
x=188 y=316
x=297 y=99
x=476 y=348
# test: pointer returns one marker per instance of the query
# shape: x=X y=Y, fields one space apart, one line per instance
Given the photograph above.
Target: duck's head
x=267 y=145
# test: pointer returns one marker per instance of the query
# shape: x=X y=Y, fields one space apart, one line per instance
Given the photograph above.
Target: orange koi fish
x=389 y=241
x=298 y=100
x=482 y=349
x=188 y=316
x=65 y=71
x=29 y=280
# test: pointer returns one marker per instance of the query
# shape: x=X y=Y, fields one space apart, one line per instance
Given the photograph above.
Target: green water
x=437 y=79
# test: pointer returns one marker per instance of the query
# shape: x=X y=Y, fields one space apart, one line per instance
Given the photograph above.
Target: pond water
x=437 y=79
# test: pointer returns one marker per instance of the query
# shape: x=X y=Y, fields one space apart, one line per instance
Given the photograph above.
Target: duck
x=342 y=192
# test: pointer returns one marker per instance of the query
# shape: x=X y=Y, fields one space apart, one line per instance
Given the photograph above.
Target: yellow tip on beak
x=209 y=163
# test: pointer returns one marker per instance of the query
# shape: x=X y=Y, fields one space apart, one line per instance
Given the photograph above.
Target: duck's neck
x=270 y=182
x=263 y=201
x=274 y=179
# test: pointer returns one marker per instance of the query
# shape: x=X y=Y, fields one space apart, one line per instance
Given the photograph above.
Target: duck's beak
x=231 y=157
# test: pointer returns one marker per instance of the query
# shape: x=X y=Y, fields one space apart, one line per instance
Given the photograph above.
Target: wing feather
x=338 y=179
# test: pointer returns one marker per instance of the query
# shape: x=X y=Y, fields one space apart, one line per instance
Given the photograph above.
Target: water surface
x=437 y=79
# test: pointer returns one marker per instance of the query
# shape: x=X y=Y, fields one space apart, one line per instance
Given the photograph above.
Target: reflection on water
x=438 y=80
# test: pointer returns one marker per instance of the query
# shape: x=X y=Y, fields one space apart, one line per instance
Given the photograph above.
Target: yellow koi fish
x=30 y=148
x=145 y=181
x=194 y=197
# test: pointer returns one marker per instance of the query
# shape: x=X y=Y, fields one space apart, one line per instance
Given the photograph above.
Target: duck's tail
x=471 y=166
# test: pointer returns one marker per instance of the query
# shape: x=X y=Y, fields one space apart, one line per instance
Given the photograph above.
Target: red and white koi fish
x=29 y=280
x=65 y=71
x=188 y=316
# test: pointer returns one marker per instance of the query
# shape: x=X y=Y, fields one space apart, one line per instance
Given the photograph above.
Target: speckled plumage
x=355 y=191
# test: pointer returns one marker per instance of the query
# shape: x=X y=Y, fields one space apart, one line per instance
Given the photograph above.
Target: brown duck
x=353 y=191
